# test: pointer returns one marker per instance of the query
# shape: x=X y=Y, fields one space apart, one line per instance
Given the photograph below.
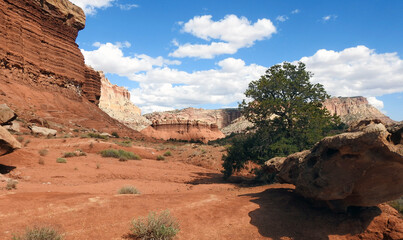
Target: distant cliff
x=115 y=101
x=354 y=109
x=37 y=46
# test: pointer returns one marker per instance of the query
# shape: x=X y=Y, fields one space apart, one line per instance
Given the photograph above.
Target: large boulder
x=360 y=168
x=6 y=114
x=7 y=142
x=43 y=131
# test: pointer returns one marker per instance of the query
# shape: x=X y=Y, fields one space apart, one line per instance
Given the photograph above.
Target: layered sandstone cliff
x=115 y=101
x=219 y=117
x=354 y=109
x=187 y=130
x=38 y=46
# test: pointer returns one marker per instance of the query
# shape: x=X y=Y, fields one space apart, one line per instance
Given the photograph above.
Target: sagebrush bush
x=128 y=190
x=39 y=233
x=155 y=226
x=160 y=158
x=43 y=152
x=69 y=154
x=125 y=143
x=120 y=154
x=167 y=154
x=397 y=204
x=95 y=135
x=61 y=160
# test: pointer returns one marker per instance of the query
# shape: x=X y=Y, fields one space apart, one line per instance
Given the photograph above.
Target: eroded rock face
x=354 y=109
x=115 y=101
x=360 y=168
x=7 y=142
x=6 y=114
x=38 y=45
x=183 y=130
x=219 y=117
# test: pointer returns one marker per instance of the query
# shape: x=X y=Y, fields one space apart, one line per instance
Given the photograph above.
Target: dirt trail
x=80 y=197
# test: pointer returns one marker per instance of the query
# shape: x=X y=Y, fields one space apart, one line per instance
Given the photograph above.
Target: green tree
x=287 y=113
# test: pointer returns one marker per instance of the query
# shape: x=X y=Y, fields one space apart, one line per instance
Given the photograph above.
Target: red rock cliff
x=38 y=46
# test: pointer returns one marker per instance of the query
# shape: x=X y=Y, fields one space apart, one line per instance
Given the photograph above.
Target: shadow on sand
x=217 y=178
x=283 y=213
x=6 y=169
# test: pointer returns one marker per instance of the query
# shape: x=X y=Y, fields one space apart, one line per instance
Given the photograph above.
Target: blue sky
x=202 y=53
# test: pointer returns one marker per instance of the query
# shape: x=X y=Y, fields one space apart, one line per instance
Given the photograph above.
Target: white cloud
x=282 y=18
x=90 y=6
x=329 y=17
x=375 y=102
x=232 y=32
x=357 y=71
x=110 y=58
x=295 y=11
x=166 y=88
x=127 y=7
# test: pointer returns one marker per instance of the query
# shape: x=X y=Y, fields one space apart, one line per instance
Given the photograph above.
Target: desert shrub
x=61 y=160
x=115 y=134
x=41 y=161
x=160 y=158
x=120 y=154
x=128 y=190
x=397 y=204
x=11 y=184
x=167 y=154
x=125 y=143
x=39 y=233
x=43 y=152
x=95 y=135
x=20 y=139
x=155 y=226
x=69 y=154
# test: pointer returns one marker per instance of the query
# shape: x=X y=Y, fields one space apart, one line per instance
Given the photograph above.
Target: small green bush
x=115 y=134
x=11 y=184
x=167 y=154
x=160 y=158
x=128 y=190
x=69 y=154
x=39 y=233
x=125 y=143
x=397 y=204
x=43 y=152
x=120 y=154
x=61 y=160
x=155 y=226
x=95 y=135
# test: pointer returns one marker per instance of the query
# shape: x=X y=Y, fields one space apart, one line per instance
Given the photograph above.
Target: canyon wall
x=354 y=109
x=219 y=117
x=115 y=101
x=38 y=46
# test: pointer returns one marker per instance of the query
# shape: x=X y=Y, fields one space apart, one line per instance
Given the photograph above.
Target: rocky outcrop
x=6 y=114
x=43 y=131
x=7 y=142
x=183 y=130
x=354 y=109
x=219 y=117
x=38 y=46
x=359 y=168
x=115 y=101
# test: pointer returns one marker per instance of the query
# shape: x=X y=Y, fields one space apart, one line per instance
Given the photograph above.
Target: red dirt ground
x=81 y=200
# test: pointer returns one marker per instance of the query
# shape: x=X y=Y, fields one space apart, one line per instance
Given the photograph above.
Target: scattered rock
x=40 y=122
x=14 y=127
x=6 y=114
x=360 y=168
x=7 y=142
x=43 y=131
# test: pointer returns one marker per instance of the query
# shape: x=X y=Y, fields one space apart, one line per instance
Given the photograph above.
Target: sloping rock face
x=359 y=168
x=219 y=117
x=6 y=114
x=354 y=109
x=183 y=130
x=7 y=142
x=38 y=46
x=115 y=101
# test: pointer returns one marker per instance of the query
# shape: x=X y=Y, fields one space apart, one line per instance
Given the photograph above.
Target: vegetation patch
x=397 y=204
x=125 y=143
x=167 y=154
x=128 y=190
x=39 y=233
x=95 y=135
x=160 y=158
x=43 y=152
x=11 y=184
x=61 y=160
x=155 y=226
x=120 y=154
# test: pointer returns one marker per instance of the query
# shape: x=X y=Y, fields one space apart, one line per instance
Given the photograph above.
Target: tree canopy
x=287 y=113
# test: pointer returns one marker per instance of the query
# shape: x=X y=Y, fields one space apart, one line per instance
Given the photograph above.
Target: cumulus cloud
x=329 y=17
x=357 y=71
x=110 y=58
x=231 y=32
x=166 y=88
x=295 y=11
x=282 y=18
x=90 y=6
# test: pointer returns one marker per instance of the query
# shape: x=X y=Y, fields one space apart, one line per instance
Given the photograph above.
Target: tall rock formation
x=38 y=46
x=219 y=117
x=115 y=101
x=354 y=109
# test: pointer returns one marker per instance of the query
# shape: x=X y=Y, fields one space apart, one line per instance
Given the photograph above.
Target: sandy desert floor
x=80 y=197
